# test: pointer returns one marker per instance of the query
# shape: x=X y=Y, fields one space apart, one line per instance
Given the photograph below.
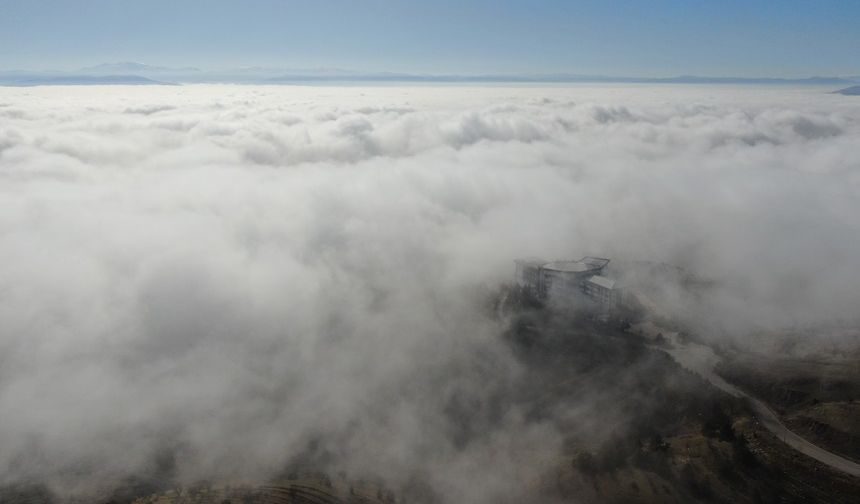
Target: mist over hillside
x=241 y=276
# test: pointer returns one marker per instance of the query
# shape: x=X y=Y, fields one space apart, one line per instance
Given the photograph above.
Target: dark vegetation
x=678 y=439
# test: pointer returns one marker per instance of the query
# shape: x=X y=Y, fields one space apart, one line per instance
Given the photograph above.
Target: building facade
x=601 y=290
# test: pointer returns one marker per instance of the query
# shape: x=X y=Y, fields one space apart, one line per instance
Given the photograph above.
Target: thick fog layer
x=241 y=273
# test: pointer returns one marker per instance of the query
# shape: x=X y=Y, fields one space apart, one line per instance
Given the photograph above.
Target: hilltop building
x=567 y=280
x=602 y=290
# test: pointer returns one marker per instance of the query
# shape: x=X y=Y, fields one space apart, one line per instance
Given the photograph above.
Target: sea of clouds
x=230 y=273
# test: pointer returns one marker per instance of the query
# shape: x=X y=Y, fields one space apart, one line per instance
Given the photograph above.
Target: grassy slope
x=817 y=399
x=302 y=491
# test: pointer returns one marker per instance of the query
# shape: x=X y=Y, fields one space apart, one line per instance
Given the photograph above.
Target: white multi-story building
x=567 y=280
x=601 y=290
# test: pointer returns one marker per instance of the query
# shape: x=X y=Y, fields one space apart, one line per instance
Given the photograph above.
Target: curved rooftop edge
x=567 y=266
x=587 y=263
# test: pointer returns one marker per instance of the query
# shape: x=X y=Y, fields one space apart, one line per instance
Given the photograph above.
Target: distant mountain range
x=849 y=91
x=80 y=80
x=140 y=73
x=133 y=68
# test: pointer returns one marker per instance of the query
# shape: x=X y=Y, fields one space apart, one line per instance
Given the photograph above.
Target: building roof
x=606 y=283
x=571 y=266
x=587 y=263
x=595 y=262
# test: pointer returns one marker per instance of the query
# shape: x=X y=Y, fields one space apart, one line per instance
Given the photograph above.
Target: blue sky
x=787 y=38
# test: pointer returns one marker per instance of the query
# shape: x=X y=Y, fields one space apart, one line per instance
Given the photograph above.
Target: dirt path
x=702 y=360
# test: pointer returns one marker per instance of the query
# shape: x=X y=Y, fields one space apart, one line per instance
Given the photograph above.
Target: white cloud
x=236 y=270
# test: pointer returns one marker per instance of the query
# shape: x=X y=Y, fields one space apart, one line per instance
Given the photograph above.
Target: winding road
x=702 y=360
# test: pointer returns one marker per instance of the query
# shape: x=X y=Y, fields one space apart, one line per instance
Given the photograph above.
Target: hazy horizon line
x=272 y=74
